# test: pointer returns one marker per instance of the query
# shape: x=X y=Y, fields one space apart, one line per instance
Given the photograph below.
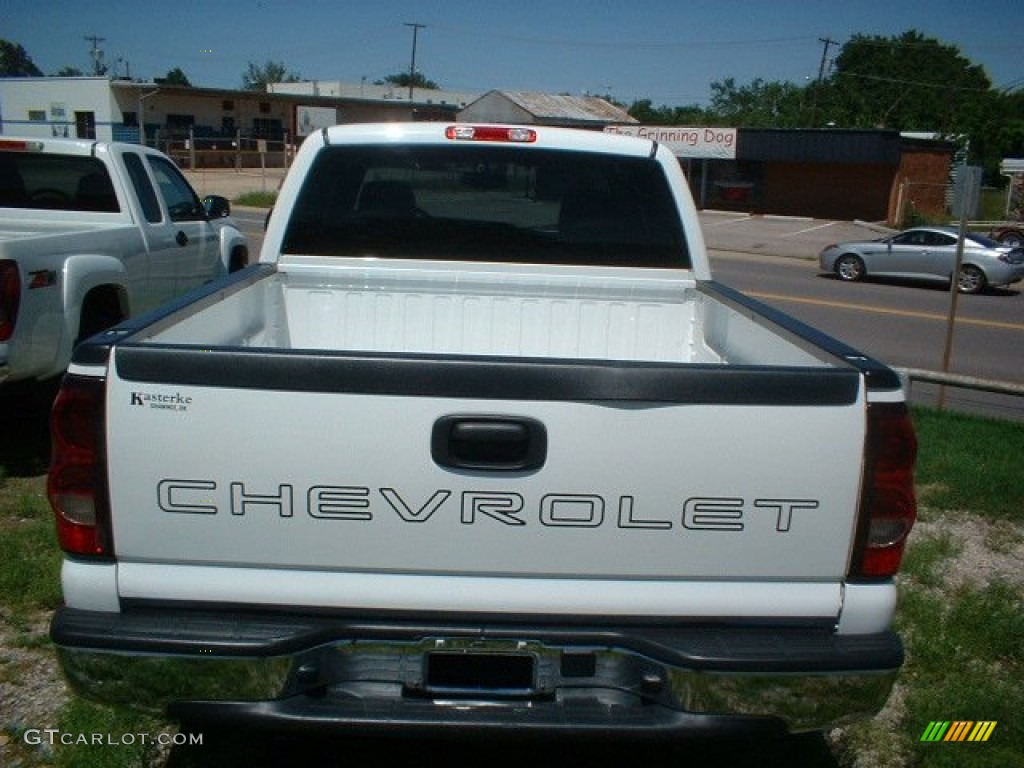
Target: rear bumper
x=369 y=675
x=1002 y=273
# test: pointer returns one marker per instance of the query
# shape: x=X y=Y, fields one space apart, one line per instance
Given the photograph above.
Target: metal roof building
x=532 y=107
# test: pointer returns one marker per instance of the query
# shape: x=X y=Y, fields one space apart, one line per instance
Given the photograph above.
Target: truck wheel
x=239 y=259
x=850 y=267
x=100 y=311
x=972 y=279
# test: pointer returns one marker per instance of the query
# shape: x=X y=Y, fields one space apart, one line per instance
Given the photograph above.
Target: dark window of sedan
x=939 y=239
x=910 y=238
x=925 y=237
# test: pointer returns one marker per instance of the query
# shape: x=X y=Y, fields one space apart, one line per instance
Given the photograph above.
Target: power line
x=621 y=44
x=944 y=86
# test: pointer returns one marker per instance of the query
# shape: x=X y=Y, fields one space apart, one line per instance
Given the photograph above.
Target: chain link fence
x=193 y=152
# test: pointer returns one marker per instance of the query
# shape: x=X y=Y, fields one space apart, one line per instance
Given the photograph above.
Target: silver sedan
x=927 y=253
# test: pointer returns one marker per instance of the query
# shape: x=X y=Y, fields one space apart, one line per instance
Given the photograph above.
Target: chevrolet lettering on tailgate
x=326 y=502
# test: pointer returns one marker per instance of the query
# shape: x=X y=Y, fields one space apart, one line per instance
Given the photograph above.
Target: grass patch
x=129 y=740
x=30 y=568
x=22 y=499
x=965 y=661
x=964 y=654
x=970 y=463
x=30 y=575
x=1004 y=537
x=257 y=199
x=923 y=560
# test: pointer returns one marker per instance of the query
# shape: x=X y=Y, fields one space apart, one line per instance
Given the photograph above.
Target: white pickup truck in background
x=481 y=444
x=92 y=233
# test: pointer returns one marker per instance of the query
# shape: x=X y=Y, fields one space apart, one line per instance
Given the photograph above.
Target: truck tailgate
x=625 y=489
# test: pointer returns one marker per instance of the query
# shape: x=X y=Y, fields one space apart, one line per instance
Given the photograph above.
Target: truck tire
x=239 y=259
x=100 y=310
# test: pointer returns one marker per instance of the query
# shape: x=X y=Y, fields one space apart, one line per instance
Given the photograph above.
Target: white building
x=112 y=109
x=210 y=127
x=75 y=107
x=387 y=92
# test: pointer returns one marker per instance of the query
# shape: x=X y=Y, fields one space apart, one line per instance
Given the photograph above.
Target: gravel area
x=32 y=690
x=988 y=552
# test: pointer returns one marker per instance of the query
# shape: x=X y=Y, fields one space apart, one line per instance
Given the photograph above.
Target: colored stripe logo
x=958 y=730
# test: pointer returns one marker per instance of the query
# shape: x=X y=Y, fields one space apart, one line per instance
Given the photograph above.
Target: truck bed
x=28 y=228
x=658 y=501
x=498 y=310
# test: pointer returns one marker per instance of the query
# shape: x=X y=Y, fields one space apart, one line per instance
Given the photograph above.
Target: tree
x=645 y=112
x=761 y=104
x=68 y=71
x=908 y=83
x=991 y=140
x=256 y=77
x=1009 y=129
x=402 y=80
x=174 y=77
x=15 y=61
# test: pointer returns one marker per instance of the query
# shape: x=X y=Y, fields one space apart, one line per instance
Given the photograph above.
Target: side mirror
x=217 y=207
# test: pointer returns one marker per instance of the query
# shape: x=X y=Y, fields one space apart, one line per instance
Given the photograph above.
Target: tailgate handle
x=489 y=443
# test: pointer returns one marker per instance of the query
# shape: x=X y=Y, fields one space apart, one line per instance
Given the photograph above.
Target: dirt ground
x=231 y=183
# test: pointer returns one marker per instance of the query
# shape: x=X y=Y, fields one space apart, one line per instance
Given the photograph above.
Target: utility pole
x=827 y=41
x=412 y=66
x=96 y=53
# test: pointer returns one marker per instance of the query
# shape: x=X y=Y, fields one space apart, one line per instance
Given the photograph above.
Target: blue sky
x=668 y=52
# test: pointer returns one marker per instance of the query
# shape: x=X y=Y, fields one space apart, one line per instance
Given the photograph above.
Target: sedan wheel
x=850 y=267
x=972 y=279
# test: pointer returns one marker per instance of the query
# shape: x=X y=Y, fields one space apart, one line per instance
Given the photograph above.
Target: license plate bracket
x=480 y=672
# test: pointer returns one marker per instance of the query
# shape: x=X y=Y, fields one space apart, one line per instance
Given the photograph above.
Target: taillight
x=20 y=145
x=514 y=134
x=76 y=483
x=10 y=298
x=888 y=505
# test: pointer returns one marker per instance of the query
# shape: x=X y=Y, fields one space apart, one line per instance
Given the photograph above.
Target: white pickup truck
x=91 y=233
x=480 y=444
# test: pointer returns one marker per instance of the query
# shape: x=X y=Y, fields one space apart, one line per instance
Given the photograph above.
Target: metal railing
x=961 y=381
x=944 y=380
